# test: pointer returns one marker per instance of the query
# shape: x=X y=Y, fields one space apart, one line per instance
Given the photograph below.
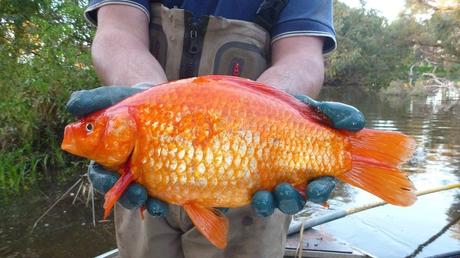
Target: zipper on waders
x=194 y=32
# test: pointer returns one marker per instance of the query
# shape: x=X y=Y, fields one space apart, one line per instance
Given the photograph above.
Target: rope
x=299 y=251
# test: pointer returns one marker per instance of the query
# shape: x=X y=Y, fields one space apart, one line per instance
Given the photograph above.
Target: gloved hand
x=285 y=197
x=135 y=195
x=341 y=115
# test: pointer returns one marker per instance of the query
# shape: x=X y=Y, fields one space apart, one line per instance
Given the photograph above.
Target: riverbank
x=422 y=88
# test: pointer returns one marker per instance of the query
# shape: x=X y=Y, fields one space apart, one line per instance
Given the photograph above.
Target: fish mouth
x=68 y=143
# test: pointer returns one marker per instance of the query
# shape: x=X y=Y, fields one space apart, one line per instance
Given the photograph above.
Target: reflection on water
x=387 y=231
x=391 y=231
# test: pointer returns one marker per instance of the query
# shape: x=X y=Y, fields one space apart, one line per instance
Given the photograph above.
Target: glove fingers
x=263 y=203
x=84 y=102
x=156 y=207
x=134 y=196
x=319 y=190
x=341 y=115
x=102 y=180
x=288 y=199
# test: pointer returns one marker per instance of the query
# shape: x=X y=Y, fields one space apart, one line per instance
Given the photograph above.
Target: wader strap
x=269 y=12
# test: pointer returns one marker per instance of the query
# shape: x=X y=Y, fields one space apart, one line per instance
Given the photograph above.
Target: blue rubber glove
x=135 y=195
x=341 y=115
x=285 y=197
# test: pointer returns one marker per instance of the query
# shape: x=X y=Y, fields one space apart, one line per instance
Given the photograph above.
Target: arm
x=297 y=65
x=121 y=56
x=120 y=49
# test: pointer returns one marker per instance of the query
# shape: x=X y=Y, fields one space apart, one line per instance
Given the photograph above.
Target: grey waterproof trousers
x=176 y=237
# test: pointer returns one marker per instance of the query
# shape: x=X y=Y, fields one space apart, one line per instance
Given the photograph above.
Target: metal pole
x=315 y=221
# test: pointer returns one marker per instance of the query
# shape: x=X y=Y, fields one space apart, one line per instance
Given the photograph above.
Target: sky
x=388 y=8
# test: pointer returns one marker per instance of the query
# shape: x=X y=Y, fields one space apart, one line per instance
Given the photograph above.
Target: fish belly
x=218 y=145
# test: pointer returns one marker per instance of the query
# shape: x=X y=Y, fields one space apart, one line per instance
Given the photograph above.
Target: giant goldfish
x=213 y=141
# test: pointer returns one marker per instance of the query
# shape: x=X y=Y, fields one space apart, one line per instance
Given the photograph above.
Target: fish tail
x=112 y=196
x=376 y=156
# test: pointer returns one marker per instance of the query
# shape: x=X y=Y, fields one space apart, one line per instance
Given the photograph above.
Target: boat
x=317 y=243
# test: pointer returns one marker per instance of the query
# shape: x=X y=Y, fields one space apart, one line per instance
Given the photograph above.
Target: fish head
x=105 y=137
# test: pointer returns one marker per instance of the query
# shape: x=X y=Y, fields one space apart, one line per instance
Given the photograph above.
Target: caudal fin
x=376 y=156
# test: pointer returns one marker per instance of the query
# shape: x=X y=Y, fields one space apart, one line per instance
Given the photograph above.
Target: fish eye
x=89 y=127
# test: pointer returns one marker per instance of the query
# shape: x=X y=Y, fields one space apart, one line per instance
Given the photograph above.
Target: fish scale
x=232 y=151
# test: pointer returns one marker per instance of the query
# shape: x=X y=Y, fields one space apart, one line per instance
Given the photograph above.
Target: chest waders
x=188 y=46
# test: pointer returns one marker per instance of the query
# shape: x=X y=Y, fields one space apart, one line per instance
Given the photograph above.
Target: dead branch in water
x=84 y=187
x=440 y=82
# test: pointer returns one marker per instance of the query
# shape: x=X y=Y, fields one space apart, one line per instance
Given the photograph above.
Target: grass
x=23 y=168
x=17 y=171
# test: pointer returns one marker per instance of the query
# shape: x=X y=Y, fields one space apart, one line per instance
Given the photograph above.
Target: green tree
x=372 y=52
x=44 y=46
x=438 y=40
x=367 y=53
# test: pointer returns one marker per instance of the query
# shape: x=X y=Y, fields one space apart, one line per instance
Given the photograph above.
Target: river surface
x=391 y=231
x=386 y=231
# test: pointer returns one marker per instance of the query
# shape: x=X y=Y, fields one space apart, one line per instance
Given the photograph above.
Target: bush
x=47 y=48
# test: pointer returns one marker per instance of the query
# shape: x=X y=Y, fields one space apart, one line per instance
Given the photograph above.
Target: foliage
x=366 y=50
x=373 y=52
x=441 y=44
x=44 y=46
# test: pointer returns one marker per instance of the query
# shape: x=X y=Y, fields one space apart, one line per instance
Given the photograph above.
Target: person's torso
x=189 y=42
x=244 y=10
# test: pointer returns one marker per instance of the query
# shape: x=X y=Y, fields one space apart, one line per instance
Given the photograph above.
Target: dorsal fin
x=307 y=111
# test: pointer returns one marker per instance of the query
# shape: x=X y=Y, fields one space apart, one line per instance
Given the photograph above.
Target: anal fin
x=210 y=222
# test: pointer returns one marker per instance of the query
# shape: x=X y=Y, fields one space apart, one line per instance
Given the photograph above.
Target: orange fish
x=213 y=141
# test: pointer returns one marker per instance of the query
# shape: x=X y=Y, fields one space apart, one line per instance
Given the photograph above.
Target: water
x=386 y=231
x=391 y=231
x=66 y=231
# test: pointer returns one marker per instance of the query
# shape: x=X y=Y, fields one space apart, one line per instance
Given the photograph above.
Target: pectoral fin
x=210 y=222
x=112 y=196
